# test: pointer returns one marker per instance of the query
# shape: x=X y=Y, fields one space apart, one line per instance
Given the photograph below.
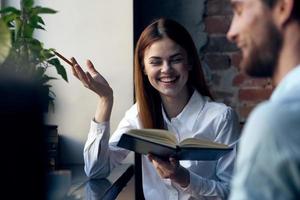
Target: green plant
x=27 y=55
x=5 y=41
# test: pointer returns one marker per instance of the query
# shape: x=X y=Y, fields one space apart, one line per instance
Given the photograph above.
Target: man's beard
x=262 y=60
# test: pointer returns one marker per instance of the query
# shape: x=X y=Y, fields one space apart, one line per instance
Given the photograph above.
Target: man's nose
x=232 y=32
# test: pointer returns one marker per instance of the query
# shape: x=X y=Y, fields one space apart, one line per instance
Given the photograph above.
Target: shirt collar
x=190 y=111
x=289 y=85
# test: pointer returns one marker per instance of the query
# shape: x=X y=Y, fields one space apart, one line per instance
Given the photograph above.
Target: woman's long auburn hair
x=147 y=97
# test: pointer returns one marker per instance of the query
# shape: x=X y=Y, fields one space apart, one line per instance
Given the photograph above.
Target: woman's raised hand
x=92 y=79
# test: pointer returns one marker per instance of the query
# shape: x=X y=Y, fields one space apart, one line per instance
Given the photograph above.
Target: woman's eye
x=155 y=62
x=176 y=60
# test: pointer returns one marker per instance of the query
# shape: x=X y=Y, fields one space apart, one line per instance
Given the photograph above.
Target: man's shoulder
x=269 y=148
x=274 y=120
x=272 y=112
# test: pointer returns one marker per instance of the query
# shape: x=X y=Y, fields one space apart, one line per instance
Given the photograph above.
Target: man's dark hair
x=295 y=14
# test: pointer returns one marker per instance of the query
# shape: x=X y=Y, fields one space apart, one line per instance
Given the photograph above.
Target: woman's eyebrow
x=176 y=54
x=172 y=56
x=154 y=57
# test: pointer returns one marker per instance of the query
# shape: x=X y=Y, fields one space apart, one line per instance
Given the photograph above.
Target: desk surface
x=81 y=187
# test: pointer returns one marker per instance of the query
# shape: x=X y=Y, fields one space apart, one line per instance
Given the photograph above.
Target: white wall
x=99 y=30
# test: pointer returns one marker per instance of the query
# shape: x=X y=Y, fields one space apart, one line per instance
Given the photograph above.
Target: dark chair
x=139 y=194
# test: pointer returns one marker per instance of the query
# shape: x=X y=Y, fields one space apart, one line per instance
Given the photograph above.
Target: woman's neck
x=174 y=105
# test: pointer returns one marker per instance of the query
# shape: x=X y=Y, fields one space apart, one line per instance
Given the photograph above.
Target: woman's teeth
x=168 y=79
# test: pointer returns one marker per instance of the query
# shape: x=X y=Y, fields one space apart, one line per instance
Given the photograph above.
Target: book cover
x=143 y=145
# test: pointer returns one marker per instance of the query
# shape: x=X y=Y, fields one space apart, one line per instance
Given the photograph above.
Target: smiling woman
x=175 y=39
x=167 y=68
x=171 y=93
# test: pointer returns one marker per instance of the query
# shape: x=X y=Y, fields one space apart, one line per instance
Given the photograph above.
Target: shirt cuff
x=195 y=183
x=97 y=129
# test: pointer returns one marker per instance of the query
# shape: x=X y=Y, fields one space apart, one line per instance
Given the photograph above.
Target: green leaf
x=42 y=78
x=47 y=54
x=59 y=68
x=18 y=24
x=42 y=10
x=5 y=41
x=46 y=78
x=34 y=22
x=10 y=10
x=28 y=31
x=38 y=27
x=9 y=18
x=27 y=3
x=40 y=20
x=34 y=41
x=40 y=71
x=35 y=47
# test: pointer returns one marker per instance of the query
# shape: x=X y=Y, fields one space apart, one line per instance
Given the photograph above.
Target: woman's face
x=166 y=66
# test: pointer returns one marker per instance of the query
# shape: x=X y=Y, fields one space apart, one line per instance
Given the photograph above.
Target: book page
x=155 y=135
x=195 y=142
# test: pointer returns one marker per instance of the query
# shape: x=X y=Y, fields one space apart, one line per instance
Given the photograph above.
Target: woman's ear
x=144 y=71
x=142 y=65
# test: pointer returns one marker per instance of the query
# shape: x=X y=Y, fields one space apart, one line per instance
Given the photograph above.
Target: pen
x=62 y=57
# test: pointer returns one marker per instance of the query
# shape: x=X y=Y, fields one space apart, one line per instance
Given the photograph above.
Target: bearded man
x=268 y=161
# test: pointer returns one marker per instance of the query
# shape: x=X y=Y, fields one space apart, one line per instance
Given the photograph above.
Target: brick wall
x=221 y=58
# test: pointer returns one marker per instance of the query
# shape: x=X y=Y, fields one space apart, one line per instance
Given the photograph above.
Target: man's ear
x=282 y=12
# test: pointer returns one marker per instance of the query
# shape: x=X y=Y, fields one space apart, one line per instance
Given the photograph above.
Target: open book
x=163 y=143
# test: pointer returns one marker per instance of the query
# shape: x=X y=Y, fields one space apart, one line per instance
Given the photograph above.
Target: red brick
x=239 y=79
x=219 y=44
x=222 y=95
x=258 y=82
x=236 y=58
x=254 y=95
x=218 y=7
x=242 y=80
x=245 y=110
x=217 y=61
x=217 y=24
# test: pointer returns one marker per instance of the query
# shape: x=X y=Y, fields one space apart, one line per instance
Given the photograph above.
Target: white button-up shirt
x=268 y=164
x=199 y=119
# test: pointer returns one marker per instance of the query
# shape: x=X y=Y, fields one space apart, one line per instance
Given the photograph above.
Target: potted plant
x=22 y=53
x=5 y=41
